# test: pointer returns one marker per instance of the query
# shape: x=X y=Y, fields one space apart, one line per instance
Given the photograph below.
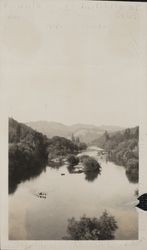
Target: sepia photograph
x=71 y=77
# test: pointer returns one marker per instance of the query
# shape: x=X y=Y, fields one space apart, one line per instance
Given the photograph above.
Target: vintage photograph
x=73 y=182
x=72 y=86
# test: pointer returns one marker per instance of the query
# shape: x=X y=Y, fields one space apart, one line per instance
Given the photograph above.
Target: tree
x=86 y=228
x=77 y=140
x=107 y=225
x=127 y=133
x=73 y=138
x=122 y=148
x=106 y=136
x=90 y=164
x=82 y=146
x=73 y=160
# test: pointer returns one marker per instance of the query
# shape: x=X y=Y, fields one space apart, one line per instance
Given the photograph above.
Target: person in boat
x=42 y=194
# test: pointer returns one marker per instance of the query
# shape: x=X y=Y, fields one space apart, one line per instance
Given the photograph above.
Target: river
x=72 y=195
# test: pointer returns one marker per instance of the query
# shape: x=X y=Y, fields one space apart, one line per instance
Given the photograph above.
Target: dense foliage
x=29 y=152
x=72 y=160
x=80 y=145
x=84 y=164
x=59 y=147
x=86 y=228
x=122 y=148
x=90 y=163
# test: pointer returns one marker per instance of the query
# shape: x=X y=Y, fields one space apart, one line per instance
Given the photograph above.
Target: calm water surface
x=72 y=195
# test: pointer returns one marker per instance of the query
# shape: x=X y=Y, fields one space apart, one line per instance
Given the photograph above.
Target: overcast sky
x=72 y=66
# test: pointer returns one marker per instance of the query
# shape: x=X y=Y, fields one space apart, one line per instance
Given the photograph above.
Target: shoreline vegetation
x=84 y=164
x=122 y=148
x=30 y=152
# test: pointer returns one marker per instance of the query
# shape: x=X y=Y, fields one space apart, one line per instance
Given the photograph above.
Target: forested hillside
x=23 y=137
x=27 y=153
x=30 y=151
x=122 y=148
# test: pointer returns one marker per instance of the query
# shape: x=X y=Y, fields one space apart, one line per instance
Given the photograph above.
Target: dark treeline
x=30 y=152
x=122 y=149
x=27 y=153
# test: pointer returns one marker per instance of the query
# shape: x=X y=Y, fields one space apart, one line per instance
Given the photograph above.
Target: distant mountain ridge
x=86 y=132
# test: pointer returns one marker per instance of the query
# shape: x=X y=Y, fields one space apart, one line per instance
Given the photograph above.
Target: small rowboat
x=41 y=195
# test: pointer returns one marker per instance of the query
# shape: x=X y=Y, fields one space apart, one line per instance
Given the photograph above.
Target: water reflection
x=72 y=170
x=55 y=165
x=31 y=218
x=132 y=176
x=91 y=176
x=21 y=173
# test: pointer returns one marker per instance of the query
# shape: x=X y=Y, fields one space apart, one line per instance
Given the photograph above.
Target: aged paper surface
x=57 y=59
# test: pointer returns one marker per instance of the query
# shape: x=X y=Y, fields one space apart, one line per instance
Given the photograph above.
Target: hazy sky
x=75 y=65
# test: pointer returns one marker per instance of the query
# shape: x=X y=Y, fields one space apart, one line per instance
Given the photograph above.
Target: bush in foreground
x=86 y=228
